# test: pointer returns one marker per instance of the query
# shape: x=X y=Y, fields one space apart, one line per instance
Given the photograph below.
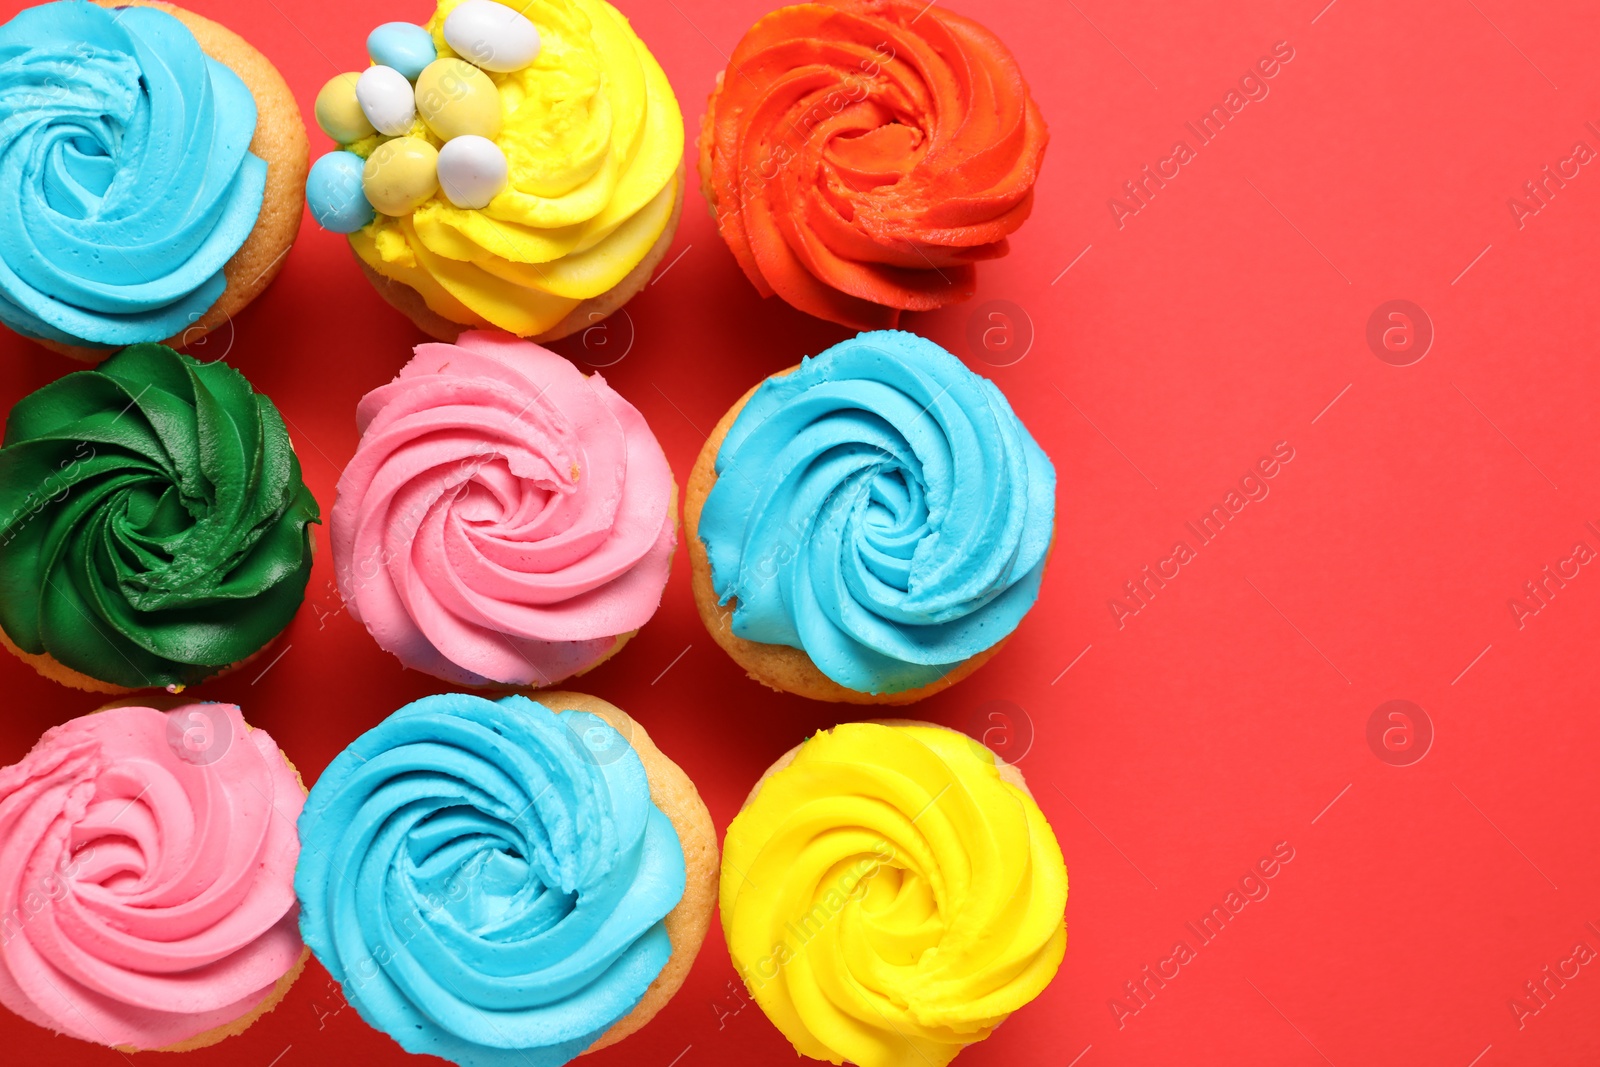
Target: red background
x=1227 y=715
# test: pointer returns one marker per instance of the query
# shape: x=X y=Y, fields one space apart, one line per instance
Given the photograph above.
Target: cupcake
x=869 y=526
x=506 y=882
x=519 y=169
x=860 y=156
x=891 y=893
x=505 y=521
x=157 y=162
x=153 y=524
x=147 y=877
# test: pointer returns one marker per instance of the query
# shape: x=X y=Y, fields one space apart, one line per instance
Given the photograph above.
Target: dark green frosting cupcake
x=153 y=522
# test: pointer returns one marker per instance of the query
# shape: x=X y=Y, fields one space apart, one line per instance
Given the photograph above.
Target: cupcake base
x=409 y=302
x=280 y=139
x=788 y=670
x=57 y=671
x=672 y=791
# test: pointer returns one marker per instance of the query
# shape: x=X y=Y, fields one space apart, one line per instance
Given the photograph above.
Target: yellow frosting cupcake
x=890 y=894
x=592 y=145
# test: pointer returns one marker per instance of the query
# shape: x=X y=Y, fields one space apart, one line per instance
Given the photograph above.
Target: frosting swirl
x=504 y=519
x=594 y=140
x=153 y=524
x=882 y=509
x=861 y=155
x=146 y=884
x=487 y=879
x=125 y=153
x=889 y=899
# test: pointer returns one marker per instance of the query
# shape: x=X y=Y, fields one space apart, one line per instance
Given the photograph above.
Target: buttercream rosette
x=890 y=895
x=125 y=153
x=146 y=877
x=880 y=508
x=153 y=522
x=488 y=881
x=505 y=519
x=861 y=156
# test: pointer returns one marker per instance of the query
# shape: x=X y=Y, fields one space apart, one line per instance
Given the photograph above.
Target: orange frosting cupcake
x=860 y=156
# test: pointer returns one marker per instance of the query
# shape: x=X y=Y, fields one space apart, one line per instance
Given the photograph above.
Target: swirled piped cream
x=889 y=899
x=487 y=880
x=504 y=519
x=124 y=153
x=882 y=509
x=591 y=139
x=146 y=874
x=861 y=156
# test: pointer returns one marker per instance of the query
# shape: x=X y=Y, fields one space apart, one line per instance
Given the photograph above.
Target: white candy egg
x=491 y=35
x=387 y=100
x=472 y=170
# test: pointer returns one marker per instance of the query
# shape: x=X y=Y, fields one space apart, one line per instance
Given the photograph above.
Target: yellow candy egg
x=339 y=112
x=400 y=175
x=454 y=98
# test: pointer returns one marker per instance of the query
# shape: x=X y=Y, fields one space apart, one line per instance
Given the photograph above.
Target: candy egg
x=400 y=175
x=491 y=35
x=456 y=98
x=471 y=170
x=405 y=46
x=334 y=193
x=339 y=112
x=386 y=99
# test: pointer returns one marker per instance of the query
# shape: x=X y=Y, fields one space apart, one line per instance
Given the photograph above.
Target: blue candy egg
x=404 y=46
x=333 y=192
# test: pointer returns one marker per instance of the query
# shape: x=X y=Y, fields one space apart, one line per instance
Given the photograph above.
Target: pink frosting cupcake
x=147 y=877
x=505 y=520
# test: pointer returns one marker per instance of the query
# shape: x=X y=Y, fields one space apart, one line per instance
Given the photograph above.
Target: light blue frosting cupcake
x=487 y=880
x=124 y=155
x=883 y=510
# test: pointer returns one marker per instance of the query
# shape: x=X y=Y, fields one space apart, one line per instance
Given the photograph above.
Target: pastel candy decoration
x=471 y=171
x=405 y=46
x=491 y=35
x=456 y=98
x=387 y=100
x=339 y=112
x=401 y=175
x=335 y=195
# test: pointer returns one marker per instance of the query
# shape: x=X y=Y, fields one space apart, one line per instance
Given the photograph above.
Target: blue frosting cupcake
x=505 y=882
x=154 y=162
x=870 y=526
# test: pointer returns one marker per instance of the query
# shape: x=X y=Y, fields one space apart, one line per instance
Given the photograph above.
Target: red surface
x=1229 y=713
